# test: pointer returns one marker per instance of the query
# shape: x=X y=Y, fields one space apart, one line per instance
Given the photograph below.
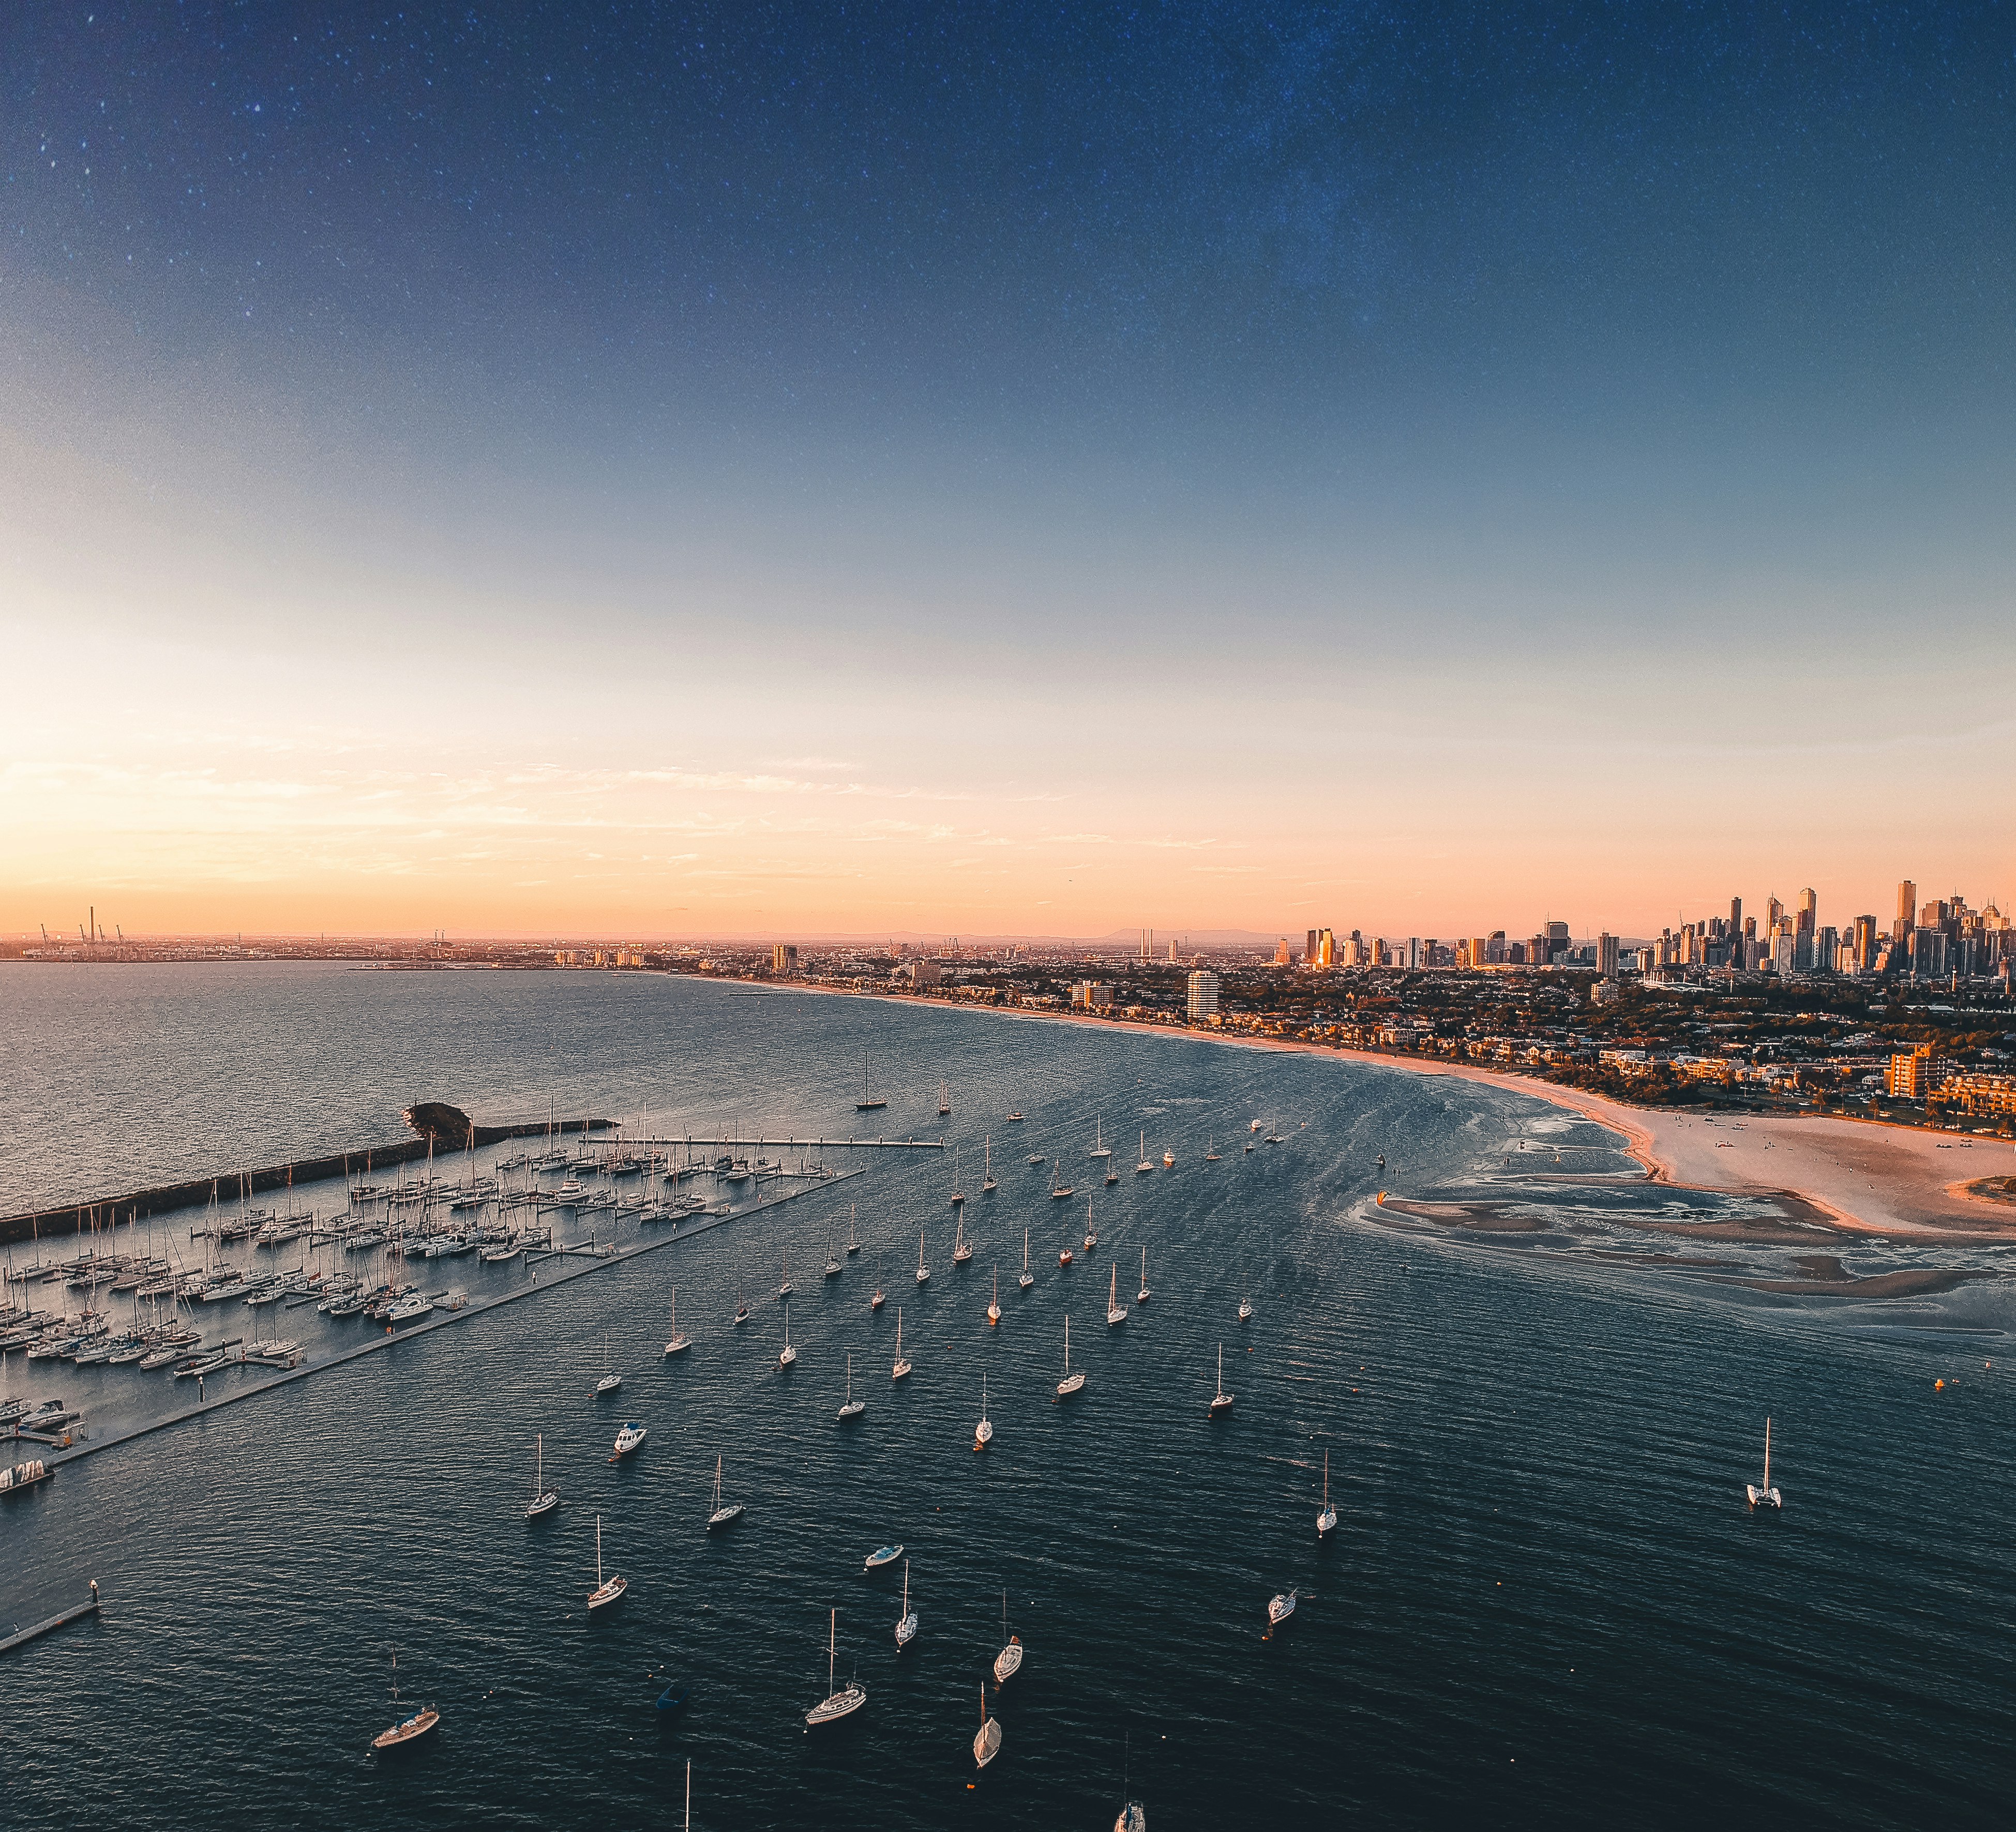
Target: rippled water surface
x=1545 y=1601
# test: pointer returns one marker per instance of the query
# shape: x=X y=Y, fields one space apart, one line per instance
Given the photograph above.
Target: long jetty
x=73 y=1218
x=21 y=1637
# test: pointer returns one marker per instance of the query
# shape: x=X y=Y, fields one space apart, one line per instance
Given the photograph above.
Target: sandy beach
x=1862 y=1175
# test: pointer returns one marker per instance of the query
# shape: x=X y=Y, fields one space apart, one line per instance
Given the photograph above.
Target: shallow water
x=1545 y=1600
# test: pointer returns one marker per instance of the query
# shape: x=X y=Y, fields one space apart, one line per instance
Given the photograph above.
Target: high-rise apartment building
x=1282 y=952
x=1606 y=956
x=1736 y=915
x=1326 y=949
x=1310 y=952
x=1808 y=911
x=783 y=959
x=1865 y=943
x=1203 y=996
x=1774 y=914
x=1907 y=911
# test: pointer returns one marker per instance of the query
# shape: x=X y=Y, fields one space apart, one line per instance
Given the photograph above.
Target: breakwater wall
x=74 y=1218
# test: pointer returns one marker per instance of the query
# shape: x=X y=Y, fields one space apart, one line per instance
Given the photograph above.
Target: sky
x=640 y=470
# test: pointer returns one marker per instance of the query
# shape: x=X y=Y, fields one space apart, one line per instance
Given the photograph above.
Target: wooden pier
x=21 y=1637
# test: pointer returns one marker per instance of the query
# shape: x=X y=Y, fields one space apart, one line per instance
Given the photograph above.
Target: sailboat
x=1116 y=1312
x=741 y=1304
x=853 y=1239
x=1100 y=1148
x=986 y=1167
x=880 y=1297
x=1028 y=1278
x=1059 y=1187
x=1144 y=1165
x=865 y=1104
x=945 y=1100
x=987 y=1738
x=958 y=1186
x=679 y=1342
x=1072 y=1382
x=994 y=1303
x=787 y=1354
x=923 y=1271
x=1091 y=1232
x=544 y=1500
x=408 y=1729
x=1766 y=1496
x=848 y=1700
x=605 y=1593
x=832 y=1261
x=1223 y=1401
x=1279 y=1608
x=1211 y=1153
x=1133 y=1816
x=852 y=1408
x=784 y=1290
x=1327 y=1519
x=1245 y=1303
x=1008 y=1662
x=906 y=1624
x=983 y=1433
x=724 y=1515
x=962 y=1250
x=902 y=1366
x=1141 y=1297
x=611 y=1381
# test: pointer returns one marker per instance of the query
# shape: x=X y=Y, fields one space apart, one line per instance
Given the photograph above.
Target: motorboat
x=630 y=1437
x=881 y=1556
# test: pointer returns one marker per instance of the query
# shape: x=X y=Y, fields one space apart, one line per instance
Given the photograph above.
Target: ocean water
x=1545 y=1602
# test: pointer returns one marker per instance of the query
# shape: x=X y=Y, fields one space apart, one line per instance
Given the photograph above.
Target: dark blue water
x=1545 y=1601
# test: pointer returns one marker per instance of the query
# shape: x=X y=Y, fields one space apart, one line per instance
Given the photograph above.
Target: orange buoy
x=1939 y=1386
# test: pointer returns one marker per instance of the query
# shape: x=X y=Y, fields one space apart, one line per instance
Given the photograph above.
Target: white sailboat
x=1279 y=1608
x=1116 y=1312
x=986 y=1167
x=962 y=1250
x=679 y=1342
x=1223 y=1402
x=1059 y=1187
x=1141 y=1297
x=407 y=1729
x=606 y=1592
x=832 y=1260
x=1008 y=1662
x=907 y=1625
x=983 y=1433
x=784 y=1290
x=958 y=1187
x=852 y=1408
x=1100 y=1148
x=1144 y=1165
x=1327 y=1519
x=994 y=1303
x=837 y=1705
x=1245 y=1303
x=880 y=1297
x=987 y=1738
x=901 y=1367
x=853 y=1239
x=1211 y=1153
x=1766 y=1496
x=1028 y=1278
x=923 y=1271
x=544 y=1500
x=1072 y=1382
x=723 y=1515
x=787 y=1354
x=609 y=1381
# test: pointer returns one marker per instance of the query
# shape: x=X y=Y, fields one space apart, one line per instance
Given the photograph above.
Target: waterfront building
x=1092 y=995
x=1204 y=990
x=783 y=959
x=1912 y=1076
x=1982 y=1096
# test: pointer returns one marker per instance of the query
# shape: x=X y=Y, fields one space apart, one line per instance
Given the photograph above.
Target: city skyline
x=695 y=476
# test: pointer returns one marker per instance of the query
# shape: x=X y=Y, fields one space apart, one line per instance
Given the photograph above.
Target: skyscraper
x=1736 y=915
x=1809 y=911
x=1907 y=911
x=1606 y=956
x=1310 y=952
x=1203 y=996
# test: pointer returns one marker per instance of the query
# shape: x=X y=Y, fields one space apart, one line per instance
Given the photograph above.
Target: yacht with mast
x=1142 y=1296
x=1222 y=1403
x=1008 y=1662
x=962 y=1250
x=923 y=1271
x=853 y=1239
x=725 y=1514
x=983 y=1433
x=1766 y=1496
x=851 y=1408
x=610 y=1380
x=606 y=1591
x=986 y=1167
x=1072 y=1382
x=901 y=1367
x=1091 y=1232
x=1100 y=1147
x=987 y=1738
x=1327 y=1519
x=1116 y=1312
x=1059 y=1187
x=906 y=1624
x=1279 y=1608
x=880 y=1297
x=866 y=1103
x=679 y=1342
x=787 y=1354
x=544 y=1500
x=1028 y=1278
x=994 y=1303
x=958 y=1183
x=1144 y=1165
x=408 y=1729
x=842 y=1703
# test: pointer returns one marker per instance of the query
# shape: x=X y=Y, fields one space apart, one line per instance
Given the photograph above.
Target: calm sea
x=1544 y=1602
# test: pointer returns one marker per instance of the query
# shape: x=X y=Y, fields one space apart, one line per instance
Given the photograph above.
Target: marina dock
x=21 y=1637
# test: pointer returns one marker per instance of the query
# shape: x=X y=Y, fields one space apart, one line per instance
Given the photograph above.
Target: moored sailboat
x=902 y=1366
x=406 y=1730
x=1028 y=1278
x=994 y=1303
x=906 y=1624
x=852 y=1408
x=1765 y=1496
x=1141 y=1297
x=1222 y=1401
x=840 y=1702
x=1327 y=1519
x=1008 y=1662
x=1116 y=1312
x=607 y=1590
x=987 y=1738
x=544 y=1500
x=1072 y=1382
x=679 y=1342
x=725 y=1514
x=983 y=1433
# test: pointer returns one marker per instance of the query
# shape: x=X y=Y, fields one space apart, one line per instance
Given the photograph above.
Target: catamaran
x=606 y=1591
x=1028 y=1278
x=901 y=1367
x=1141 y=1297
x=852 y=1408
x=1327 y=1519
x=1223 y=1400
x=994 y=1303
x=679 y=1342
x=923 y=1271
x=1072 y=1382
x=906 y=1624
x=1116 y=1312
x=724 y=1515
x=544 y=1500
x=1766 y=1496
x=787 y=1354
x=1008 y=1662
x=987 y=1738
x=983 y=1433
x=837 y=1705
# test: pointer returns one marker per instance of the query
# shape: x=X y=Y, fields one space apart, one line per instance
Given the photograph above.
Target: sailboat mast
x=1767 y=1456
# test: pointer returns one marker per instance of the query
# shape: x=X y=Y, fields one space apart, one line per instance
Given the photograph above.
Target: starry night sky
x=1378 y=331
